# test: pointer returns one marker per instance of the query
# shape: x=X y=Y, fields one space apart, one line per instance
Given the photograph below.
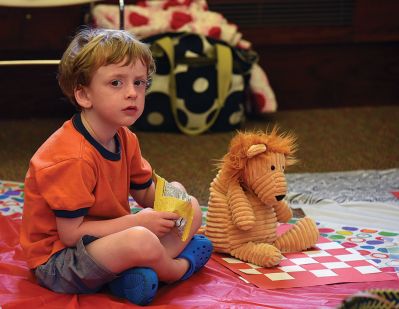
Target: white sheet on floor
x=355 y=198
x=361 y=214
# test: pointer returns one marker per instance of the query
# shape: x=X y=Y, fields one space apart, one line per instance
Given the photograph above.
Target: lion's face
x=264 y=174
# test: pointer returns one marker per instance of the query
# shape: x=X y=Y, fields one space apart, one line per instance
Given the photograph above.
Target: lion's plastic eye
x=273 y=167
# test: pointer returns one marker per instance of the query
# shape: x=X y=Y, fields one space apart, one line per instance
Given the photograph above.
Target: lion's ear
x=255 y=150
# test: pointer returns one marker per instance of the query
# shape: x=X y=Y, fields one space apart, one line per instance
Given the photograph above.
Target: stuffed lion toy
x=246 y=201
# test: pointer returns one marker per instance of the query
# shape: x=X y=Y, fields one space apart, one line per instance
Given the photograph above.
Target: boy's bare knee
x=144 y=243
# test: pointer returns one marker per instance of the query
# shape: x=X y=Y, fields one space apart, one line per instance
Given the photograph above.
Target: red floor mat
x=213 y=287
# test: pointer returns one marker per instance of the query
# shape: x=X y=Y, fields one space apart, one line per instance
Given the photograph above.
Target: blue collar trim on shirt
x=113 y=156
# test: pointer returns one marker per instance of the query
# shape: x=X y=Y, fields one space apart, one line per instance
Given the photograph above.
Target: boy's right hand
x=158 y=222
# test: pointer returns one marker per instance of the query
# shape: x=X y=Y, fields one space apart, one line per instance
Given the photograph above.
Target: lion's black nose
x=280 y=197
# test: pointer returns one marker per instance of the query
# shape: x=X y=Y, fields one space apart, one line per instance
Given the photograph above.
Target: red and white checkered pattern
x=328 y=263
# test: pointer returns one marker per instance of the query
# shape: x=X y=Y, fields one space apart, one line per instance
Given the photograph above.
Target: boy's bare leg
x=137 y=247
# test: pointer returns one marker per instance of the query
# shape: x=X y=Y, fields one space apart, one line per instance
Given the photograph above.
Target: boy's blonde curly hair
x=92 y=48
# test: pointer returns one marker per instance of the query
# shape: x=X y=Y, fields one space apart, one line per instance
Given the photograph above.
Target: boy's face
x=117 y=93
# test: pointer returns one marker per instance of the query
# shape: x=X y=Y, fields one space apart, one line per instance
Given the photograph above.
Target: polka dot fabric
x=196 y=78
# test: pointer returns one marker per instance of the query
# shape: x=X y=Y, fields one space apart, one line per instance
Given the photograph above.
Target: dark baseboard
x=333 y=75
x=32 y=91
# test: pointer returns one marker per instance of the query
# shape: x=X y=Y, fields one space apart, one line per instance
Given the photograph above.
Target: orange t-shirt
x=72 y=175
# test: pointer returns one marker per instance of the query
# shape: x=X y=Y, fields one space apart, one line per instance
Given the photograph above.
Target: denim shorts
x=74 y=271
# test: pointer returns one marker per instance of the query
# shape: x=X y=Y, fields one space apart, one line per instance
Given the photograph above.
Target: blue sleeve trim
x=71 y=214
x=143 y=186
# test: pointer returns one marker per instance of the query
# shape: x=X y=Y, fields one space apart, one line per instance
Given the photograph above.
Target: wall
x=313 y=60
x=323 y=53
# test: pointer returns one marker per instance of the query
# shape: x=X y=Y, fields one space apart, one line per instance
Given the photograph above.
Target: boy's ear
x=82 y=98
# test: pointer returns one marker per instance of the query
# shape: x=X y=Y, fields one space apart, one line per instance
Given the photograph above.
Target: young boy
x=77 y=230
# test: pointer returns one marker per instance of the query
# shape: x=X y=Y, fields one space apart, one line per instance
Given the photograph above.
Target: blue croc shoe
x=197 y=252
x=138 y=285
